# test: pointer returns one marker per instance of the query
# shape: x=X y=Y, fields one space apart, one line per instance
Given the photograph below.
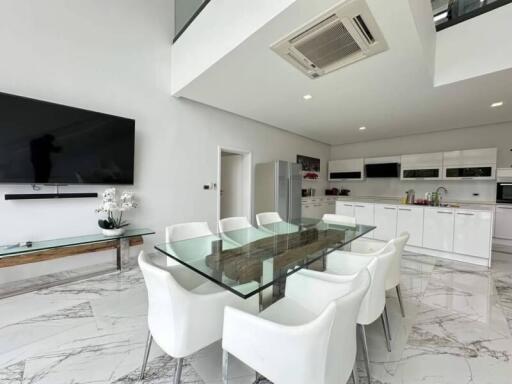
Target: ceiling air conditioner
x=341 y=36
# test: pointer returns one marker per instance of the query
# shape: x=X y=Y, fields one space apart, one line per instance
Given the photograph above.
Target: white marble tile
x=457 y=330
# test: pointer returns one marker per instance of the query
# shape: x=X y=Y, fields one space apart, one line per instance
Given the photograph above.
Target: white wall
x=115 y=57
x=499 y=136
x=476 y=47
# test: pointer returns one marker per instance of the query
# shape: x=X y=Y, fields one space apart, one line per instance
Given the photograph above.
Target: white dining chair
x=266 y=218
x=309 y=336
x=233 y=224
x=185 y=310
x=330 y=218
x=369 y=247
x=186 y=231
x=374 y=303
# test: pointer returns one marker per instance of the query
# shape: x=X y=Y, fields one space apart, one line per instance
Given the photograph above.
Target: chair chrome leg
x=177 y=375
x=355 y=379
x=365 y=350
x=386 y=334
x=387 y=321
x=399 y=294
x=146 y=355
x=225 y=359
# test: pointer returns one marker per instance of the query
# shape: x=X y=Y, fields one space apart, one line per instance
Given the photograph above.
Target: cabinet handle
x=348 y=205
x=465 y=214
x=360 y=206
x=503 y=207
x=390 y=208
x=405 y=209
x=447 y=213
x=467 y=178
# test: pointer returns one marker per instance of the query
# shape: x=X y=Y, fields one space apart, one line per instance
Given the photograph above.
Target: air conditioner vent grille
x=332 y=44
x=340 y=36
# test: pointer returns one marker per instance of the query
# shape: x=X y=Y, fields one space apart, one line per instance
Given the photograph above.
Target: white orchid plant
x=114 y=206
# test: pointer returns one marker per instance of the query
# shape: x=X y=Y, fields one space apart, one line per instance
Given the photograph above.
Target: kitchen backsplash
x=457 y=190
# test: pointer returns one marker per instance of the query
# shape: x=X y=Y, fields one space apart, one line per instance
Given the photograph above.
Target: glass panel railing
x=185 y=11
x=451 y=12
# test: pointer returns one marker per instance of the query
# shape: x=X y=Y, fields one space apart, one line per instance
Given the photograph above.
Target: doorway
x=234 y=192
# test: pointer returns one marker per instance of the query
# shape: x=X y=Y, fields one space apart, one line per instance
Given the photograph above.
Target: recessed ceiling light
x=362 y=128
x=307 y=97
x=497 y=104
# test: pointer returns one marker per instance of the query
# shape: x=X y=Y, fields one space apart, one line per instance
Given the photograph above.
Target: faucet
x=438 y=194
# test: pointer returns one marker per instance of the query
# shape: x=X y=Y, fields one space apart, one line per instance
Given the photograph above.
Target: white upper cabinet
x=385 y=221
x=471 y=164
x=410 y=219
x=351 y=169
x=472 y=233
x=424 y=166
x=438 y=229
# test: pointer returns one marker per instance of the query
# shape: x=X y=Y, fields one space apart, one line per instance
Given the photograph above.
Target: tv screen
x=46 y=143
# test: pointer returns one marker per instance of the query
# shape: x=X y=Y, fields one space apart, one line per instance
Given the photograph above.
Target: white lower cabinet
x=364 y=214
x=385 y=221
x=345 y=209
x=472 y=233
x=410 y=219
x=503 y=228
x=438 y=229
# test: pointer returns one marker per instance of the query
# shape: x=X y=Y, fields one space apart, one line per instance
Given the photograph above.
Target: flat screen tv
x=47 y=143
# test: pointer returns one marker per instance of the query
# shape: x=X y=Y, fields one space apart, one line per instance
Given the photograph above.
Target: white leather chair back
x=233 y=224
x=265 y=218
x=393 y=277
x=186 y=231
x=167 y=300
x=375 y=299
x=330 y=218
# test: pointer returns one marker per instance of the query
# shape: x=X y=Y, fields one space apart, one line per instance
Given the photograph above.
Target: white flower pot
x=113 y=232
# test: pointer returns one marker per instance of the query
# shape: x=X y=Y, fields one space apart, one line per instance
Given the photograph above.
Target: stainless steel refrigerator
x=278 y=188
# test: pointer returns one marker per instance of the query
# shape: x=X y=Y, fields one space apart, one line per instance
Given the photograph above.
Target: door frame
x=247 y=176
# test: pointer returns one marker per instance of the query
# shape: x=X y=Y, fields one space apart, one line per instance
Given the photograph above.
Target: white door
x=364 y=214
x=503 y=228
x=231 y=193
x=438 y=229
x=331 y=205
x=472 y=233
x=385 y=221
x=307 y=210
x=410 y=219
x=344 y=208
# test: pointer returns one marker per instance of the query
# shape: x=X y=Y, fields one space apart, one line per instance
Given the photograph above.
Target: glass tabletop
x=249 y=260
x=11 y=250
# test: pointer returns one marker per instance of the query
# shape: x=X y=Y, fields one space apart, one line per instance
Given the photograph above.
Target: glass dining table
x=250 y=260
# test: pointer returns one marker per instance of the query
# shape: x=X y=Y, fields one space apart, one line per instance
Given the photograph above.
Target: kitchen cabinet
x=364 y=214
x=472 y=232
x=438 y=229
x=350 y=169
x=473 y=164
x=410 y=219
x=424 y=166
x=503 y=224
x=345 y=208
x=385 y=221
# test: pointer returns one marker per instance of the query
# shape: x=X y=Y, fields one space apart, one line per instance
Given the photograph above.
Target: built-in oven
x=504 y=192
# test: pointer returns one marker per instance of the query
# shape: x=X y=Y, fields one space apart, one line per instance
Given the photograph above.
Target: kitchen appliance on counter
x=332 y=192
x=307 y=192
x=278 y=189
x=411 y=196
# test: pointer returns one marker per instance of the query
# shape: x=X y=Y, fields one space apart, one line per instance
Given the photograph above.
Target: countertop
x=469 y=205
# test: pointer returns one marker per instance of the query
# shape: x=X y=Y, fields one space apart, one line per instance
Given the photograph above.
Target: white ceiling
x=392 y=93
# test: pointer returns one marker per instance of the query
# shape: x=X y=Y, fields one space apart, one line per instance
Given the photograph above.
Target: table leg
x=122 y=254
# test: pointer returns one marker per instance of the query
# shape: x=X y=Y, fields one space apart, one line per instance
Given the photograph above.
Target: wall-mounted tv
x=47 y=143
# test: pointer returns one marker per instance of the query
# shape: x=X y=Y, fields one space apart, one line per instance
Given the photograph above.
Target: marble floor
x=457 y=330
